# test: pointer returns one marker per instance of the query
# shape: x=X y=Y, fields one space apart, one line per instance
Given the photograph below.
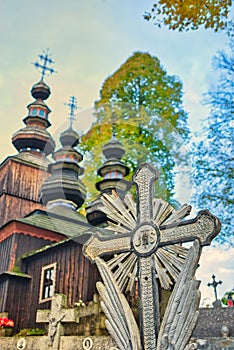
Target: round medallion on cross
x=145 y=239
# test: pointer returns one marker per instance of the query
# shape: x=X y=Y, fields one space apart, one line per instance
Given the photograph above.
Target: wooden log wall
x=3 y=293
x=5 y=253
x=20 y=186
x=14 y=290
x=14 y=207
x=76 y=277
x=13 y=247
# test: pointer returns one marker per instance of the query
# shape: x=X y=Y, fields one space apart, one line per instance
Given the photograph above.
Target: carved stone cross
x=144 y=240
x=55 y=317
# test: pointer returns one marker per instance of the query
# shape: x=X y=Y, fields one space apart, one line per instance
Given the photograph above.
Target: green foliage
x=213 y=154
x=143 y=106
x=31 y=332
x=190 y=14
x=16 y=269
x=227 y=295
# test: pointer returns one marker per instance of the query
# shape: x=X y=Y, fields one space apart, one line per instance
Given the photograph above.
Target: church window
x=48 y=275
x=34 y=112
x=41 y=113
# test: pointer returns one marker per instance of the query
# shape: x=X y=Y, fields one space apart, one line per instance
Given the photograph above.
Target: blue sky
x=89 y=40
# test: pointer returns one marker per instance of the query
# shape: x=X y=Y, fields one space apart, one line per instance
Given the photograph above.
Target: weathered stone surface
x=215 y=344
x=77 y=343
x=67 y=343
x=103 y=343
x=211 y=321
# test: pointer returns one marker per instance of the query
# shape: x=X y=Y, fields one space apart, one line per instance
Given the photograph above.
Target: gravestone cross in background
x=55 y=317
x=214 y=284
x=143 y=241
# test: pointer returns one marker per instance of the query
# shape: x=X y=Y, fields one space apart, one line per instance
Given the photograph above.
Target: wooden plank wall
x=24 y=180
x=14 y=207
x=26 y=243
x=3 y=294
x=20 y=186
x=76 y=277
x=5 y=253
x=16 y=245
x=16 y=291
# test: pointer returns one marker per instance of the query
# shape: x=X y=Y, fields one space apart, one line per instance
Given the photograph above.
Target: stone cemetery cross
x=144 y=241
x=55 y=317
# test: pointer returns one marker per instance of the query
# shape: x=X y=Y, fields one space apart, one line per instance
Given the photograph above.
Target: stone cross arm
x=58 y=311
x=203 y=227
x=65 y=316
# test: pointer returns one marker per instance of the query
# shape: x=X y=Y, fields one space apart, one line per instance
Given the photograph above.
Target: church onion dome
x=113 y=149
x=40 y=91
x=69 y=138
x=113 y=167
x=64 y=186
x=94 y=213
x=34 y=137
x=39 y=111
x=113 y=172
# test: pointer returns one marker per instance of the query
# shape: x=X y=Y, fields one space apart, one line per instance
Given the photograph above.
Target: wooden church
x=42 y=234
x=41 y=231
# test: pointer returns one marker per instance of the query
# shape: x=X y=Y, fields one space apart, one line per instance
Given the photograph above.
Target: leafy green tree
x=144 y=106
x=213 y=154
x=190 y=14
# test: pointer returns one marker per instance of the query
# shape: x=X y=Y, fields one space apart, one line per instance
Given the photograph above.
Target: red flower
x=10 y=323
x=6 y=322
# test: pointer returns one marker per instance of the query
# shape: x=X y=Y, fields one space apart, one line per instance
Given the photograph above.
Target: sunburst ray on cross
x=168 y=260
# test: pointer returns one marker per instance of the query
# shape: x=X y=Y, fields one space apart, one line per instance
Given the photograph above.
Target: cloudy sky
x=89 y=40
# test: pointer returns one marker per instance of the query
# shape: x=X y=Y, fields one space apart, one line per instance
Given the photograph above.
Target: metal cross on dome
x=72 y=104
x=144 y=240
x=46 y=59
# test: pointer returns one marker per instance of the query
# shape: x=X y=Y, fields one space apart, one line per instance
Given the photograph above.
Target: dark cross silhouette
x=46 y=59
x=214 y=284
x=72 y=104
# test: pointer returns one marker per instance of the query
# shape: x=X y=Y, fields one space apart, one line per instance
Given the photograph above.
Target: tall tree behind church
x=142 y=105
x=213 y=154
x=190 y=14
